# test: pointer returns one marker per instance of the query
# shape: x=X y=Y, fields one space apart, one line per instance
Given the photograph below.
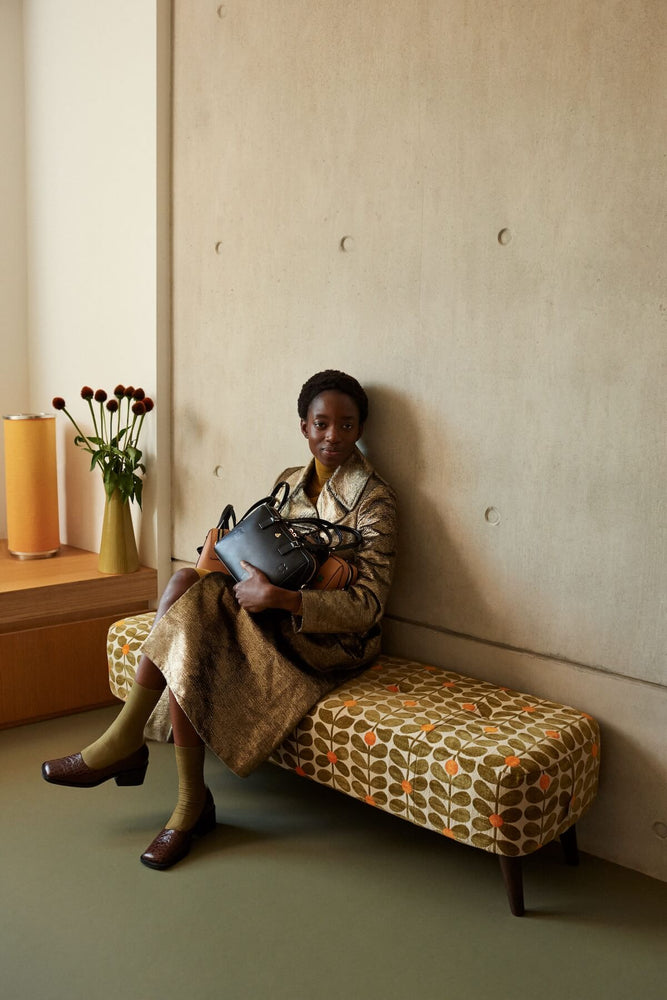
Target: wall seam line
x=554 y=658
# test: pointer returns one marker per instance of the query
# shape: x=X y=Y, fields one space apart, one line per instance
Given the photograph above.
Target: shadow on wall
x=434 y=584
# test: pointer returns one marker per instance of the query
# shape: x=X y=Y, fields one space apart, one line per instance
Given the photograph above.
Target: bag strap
x=329 y=530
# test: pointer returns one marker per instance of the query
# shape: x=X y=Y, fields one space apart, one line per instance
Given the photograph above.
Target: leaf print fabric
x=487 y=766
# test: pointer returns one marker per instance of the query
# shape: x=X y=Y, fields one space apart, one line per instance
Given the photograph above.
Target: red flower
x=119 y=391
x=58 y=403
x=87 y=392
x=139 y=394
x=100 y=396
x=148 y=404
x=129 y=392
x=112 y=405
x=138 y=408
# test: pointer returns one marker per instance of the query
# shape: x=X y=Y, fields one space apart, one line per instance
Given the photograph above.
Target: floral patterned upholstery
x=484 y=765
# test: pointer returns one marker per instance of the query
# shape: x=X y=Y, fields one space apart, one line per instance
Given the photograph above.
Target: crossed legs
x=120 y=752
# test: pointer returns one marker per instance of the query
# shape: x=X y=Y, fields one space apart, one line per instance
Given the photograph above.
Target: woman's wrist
x=292 y=602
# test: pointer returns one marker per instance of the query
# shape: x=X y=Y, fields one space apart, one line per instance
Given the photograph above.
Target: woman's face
x=332 y=427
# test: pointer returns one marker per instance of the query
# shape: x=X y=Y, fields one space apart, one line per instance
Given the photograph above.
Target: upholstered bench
x=484 y=765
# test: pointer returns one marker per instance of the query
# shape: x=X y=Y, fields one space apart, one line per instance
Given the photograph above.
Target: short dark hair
x=338 y=381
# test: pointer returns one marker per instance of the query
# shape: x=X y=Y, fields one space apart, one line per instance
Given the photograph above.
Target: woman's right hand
x=256 y=593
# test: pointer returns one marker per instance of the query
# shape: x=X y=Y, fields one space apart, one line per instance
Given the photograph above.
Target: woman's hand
x=256 y=593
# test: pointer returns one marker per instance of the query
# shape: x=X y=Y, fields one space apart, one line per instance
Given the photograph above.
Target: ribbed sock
x=191 y=788
x=126 y=732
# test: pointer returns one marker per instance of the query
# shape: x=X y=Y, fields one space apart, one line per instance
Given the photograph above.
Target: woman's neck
x=318 y=478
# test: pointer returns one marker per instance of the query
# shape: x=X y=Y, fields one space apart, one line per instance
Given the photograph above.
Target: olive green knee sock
x=191 y=788
x=126 y=732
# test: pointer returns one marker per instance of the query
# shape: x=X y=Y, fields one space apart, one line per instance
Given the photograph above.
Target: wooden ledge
x=67 y=587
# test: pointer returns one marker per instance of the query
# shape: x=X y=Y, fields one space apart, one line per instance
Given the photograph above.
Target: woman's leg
x=190 y=751
x=194 y=814
x=125 y=735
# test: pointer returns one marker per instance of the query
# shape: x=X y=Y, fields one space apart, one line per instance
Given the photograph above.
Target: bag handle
x=272 y=501
x=227 y=515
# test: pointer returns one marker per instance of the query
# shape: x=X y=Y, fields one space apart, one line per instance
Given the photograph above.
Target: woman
x=245 y=662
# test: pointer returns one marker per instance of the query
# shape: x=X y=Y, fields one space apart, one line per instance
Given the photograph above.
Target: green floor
x=300 y=893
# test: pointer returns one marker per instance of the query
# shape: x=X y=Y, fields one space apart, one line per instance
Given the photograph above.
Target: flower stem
x=92 y=413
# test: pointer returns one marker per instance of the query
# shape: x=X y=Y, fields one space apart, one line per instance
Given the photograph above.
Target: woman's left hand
x=256 y=593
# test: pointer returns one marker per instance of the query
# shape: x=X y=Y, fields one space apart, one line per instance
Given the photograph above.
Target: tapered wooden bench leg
x=513 y=875
x=569 y=844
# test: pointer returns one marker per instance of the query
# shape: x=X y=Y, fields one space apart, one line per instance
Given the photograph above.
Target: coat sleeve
x=362 y=606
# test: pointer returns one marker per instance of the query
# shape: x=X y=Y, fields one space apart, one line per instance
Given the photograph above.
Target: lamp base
x=34 y=555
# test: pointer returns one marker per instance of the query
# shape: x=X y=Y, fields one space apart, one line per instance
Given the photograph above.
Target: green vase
x=118 y=549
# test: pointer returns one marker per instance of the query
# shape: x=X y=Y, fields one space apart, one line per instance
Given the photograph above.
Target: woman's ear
x=304 y=427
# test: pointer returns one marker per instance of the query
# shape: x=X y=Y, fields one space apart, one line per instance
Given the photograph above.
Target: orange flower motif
x=370 y=738
x=553 y=733
x=407 y=787
x=125 y=649
x=350 y=702
x=409 y=704
x=595 y=749
x=331 y=757
x=392 y=687
x=512 y=761
x=528 y=708
x=431 y=669
x=469 y=707
x=451 y=767
x=449 y=684
x=427 y=727
x=376 y=666
x=490 y=729
x=544 y=782
x=496 y=820
x=300 y=770
x=447 y=832
x=369 y=800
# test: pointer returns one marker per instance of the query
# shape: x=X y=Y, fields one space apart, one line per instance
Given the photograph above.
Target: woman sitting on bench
x=245 y=662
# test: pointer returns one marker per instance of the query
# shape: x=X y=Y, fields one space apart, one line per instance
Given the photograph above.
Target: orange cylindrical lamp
x=31 y=485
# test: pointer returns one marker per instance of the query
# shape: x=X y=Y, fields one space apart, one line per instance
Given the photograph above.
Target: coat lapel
x=341 y=492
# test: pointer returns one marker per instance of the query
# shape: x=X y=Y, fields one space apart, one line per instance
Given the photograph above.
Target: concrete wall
x=461 y=202
x=13 y=285
x=87 y=74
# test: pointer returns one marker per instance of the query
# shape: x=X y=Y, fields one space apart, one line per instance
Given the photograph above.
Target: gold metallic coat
x=245 y=680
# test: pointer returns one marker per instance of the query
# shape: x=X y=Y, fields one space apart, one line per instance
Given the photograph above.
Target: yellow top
x=319 y=477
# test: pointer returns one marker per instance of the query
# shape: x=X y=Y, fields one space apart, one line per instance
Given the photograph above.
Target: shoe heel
x=206 y=824
x=135 y=777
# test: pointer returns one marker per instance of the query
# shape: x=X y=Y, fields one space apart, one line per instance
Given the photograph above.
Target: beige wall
x=13 y=286
x=88 y=74
x=521 y=372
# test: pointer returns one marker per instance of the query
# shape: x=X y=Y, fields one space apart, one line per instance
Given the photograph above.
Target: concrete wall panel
x=498 y=171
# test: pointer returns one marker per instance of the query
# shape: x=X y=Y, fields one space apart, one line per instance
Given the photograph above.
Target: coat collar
x=346 y=484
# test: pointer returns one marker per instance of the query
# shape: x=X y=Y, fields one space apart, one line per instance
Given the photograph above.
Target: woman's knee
x=181 y=581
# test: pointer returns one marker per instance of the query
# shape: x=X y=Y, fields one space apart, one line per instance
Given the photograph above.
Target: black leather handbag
x=288 y=551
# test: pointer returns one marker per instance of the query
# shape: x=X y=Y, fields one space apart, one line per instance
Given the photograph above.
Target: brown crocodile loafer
x=171 y=846
x=73 y=772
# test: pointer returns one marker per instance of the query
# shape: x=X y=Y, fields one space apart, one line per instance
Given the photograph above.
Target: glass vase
x=118 y=548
